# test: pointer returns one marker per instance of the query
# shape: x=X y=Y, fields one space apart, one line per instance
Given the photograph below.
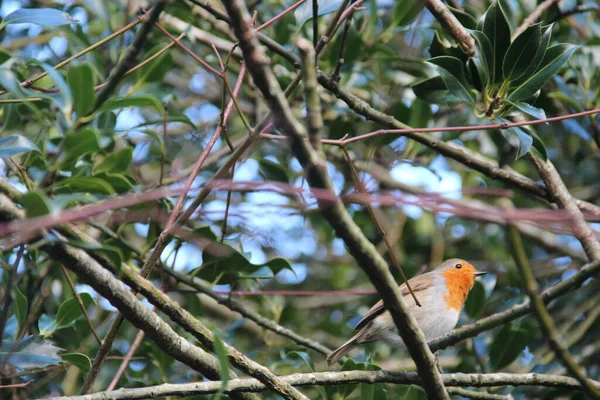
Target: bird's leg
x=436 y=357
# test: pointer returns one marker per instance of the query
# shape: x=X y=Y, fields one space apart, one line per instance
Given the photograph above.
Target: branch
x=564 y=199
x=543 y=316
x=486 y=166
x=451 y=25
x=332 y=379
x=333 y=211
x=103 y=282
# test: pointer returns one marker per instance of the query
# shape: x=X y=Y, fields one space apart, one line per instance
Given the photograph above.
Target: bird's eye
x=458 y=266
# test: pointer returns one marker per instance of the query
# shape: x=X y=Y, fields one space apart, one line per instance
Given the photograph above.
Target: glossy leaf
x=223 y=358
x=223 y=263
x=522 y=52
x=20 y=306
x=438 y=48
x=525 y=141
x=81 y=81
x=79 y=360
x=528 y=109
x=66 y=98
x=82 y=142
x=476 y=300
x=16 y=144
x=506 y=346
x=70 y=310
x=38 y=16
x=145 y=100
x=497 y=30
x=434 y=91
x=405 y=12
x=554 y=58
x=31 y=352
x=87 y=184
x=539 y=56
x=485 y=53
x=452 y=72
x=36 y=203
x=117 y=161
x=155 y=70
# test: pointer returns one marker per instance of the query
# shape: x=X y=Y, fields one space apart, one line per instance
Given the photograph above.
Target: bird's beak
x=479 y=273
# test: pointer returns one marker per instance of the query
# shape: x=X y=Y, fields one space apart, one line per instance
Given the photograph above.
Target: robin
x=442 y=294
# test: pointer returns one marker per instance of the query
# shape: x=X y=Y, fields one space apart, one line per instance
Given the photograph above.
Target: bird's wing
x=418 y=283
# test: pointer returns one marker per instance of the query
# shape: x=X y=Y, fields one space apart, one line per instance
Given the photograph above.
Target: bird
x=442 y=294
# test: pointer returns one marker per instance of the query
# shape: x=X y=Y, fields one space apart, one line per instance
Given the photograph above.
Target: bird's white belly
x=433 y=322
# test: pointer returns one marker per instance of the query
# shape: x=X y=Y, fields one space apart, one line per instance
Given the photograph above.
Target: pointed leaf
x=223 y=358
x=20 y=306
x=79 y=143
x=507 y=346
x=81 y=81
x=39 y=16
x=117 y=161
x=36 y=203
x=485 y=53
x=29 y=353
x=497 y=30
x=79 y=360
x=555 y=57
x=528 y=109
x=522 y=52
x=434 y=91
x=88 y=184
x=15 y=145
x=452 y=72
x=70 y=310
x=145 y=100
x=66 y=99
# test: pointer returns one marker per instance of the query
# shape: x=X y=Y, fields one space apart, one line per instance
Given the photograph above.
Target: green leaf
x=36 y=204
x=497 y=30
x=223 y=263
x=38 y=16
x=506 y=346
x=486 y=55
x=452 y=72
x=466 y=19
x=434 y=91
x=223 y=358
x=70 y=310
x=117 y=161
x=525 y=141
x=405 y=12
x=86 y=184
x=538 y=148
x=438 y=48
x=528 y=109
x=15 y=145
x=555 y=57
x=119 y=182
x=144 y=100
x=79 y=143
x=522 y=53
x=63 y=88
x=79 y=360
x=155 y=70
x=20 y=306
x=539 y=56
x=420 y=114
x=81 y=81
x=476 y=300
x=31 y=352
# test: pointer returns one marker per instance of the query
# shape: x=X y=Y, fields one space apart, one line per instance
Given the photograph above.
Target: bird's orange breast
x=458 y=285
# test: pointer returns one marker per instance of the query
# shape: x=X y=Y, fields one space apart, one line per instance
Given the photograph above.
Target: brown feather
x=418 y=283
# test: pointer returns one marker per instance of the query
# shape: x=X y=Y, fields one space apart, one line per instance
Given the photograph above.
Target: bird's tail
x=343 y=349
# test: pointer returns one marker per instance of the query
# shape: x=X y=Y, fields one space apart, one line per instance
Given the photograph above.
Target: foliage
x=105 y=177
